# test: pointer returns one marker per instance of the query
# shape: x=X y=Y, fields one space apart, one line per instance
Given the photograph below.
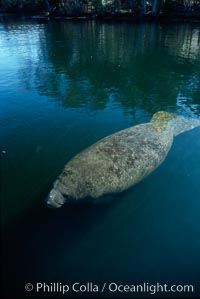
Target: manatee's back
x=116 y=162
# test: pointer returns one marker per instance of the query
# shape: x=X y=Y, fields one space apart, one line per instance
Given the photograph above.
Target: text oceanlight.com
x=89 y=287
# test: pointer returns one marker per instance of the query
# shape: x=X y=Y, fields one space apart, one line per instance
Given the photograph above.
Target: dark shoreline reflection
x=143 y=65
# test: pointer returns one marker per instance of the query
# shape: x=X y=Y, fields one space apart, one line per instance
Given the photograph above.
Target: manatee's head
x=55 y=199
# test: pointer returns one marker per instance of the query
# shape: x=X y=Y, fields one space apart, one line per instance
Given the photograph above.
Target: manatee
x=119 y=161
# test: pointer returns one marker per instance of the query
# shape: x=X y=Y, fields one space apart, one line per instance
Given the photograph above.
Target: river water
x=63 y=86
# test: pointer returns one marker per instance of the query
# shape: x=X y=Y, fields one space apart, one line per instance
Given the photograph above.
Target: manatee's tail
x=177 y=123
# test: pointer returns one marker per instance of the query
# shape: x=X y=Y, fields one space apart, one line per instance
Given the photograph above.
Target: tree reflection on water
x=90 y=65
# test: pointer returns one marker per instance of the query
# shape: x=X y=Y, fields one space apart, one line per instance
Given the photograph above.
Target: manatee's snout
x=55 y=199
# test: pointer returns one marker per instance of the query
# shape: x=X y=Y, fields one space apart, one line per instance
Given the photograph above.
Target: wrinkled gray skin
x=118 y=161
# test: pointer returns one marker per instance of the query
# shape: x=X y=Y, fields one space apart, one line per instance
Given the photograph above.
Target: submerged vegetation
x=109 y=8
